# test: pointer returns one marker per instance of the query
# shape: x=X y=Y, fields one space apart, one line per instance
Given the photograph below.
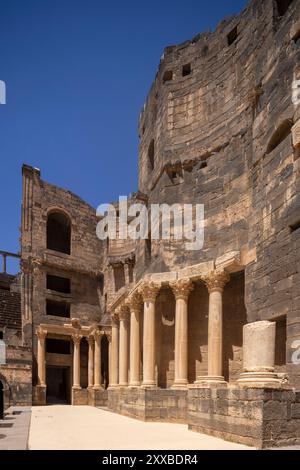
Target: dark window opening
x=59 y=233
x=296 y=226
x=57 y=309
x=57 y=346
x=1 y=334
x=186 y=70
x=119 y=276
x=283 y=6
x=203 y=164
x=280 y=342
x=148 y=249
x=151 y=155
x=130 y=273
x=205 y=51
x=101 y=283
x=280 y=135
x=59 y=284
x=232 y=36
x=168 y=76
x=143 y=129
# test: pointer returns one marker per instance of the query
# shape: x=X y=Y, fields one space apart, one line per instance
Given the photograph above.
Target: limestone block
x=296 y=134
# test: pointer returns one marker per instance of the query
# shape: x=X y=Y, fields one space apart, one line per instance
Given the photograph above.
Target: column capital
x=216 y=280
x=91 y=340
x=97 y=334
x=76 y=337
x=149 y=291
x=41 y=334
x=182 y=288
x=115 y=318
x=135 y=303
x=123 y=312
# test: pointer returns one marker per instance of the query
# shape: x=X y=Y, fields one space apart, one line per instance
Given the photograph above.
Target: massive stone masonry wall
x=225 y=135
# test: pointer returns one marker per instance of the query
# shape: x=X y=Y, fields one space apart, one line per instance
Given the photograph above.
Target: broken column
x=259 y=355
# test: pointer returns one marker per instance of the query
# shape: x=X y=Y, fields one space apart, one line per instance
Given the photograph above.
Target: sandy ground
x=86 y=428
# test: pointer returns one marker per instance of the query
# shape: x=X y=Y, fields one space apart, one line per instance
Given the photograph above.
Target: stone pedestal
x=259 y=355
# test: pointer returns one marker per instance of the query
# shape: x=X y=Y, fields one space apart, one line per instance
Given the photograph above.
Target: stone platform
x=259 y=417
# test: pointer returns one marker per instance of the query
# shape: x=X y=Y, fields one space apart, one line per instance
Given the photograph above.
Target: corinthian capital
x=149 y=291
x=115 y=318
x=135 y=303
x=216 y=280
x=182 y=288
x=76 y=338
x=123 y=313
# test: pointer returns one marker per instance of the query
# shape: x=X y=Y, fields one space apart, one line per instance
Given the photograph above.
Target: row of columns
x=94 y=358
x=144 y=300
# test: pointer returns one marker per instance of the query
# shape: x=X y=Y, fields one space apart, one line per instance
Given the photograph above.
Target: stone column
x=215 y=283
x=91 y=362
x=259 y=355
x=123 y=347
x=149 y=292
x=97 y=360
x=114 y=352
x=181 y=289
x=135 y=305
x=76 y=361
x=41 y=357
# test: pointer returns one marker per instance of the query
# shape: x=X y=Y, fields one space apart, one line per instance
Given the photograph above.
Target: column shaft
x=135 y=347
x=41 y=359
x=114 y=353
x=181 y=342
x=76 y=362
x=123 y=351
x=149 y=344
x=97 y=362
x=91 y=363
x=215 y=334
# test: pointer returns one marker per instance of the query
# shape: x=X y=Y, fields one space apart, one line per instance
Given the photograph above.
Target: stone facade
x=158 y=332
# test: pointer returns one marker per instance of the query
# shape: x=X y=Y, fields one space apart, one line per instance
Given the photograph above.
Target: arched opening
x=104 y=362
x=1 y=400
x=59 y=232
x=280 y=135
x=151 y=155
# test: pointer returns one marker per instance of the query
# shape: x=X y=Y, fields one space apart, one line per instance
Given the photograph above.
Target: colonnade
x=126 y=334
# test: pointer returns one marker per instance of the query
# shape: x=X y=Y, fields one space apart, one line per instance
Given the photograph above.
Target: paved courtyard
x=85 y=428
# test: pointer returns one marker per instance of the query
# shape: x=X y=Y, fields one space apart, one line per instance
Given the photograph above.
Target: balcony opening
x=59 y=232
x=186 y=70
x=119 y=277
x=232 y=36
x=59 y=284
x=57 y=309
x=281 y=133
x=280 y=343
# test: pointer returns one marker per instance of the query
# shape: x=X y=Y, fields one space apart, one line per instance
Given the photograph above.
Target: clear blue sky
x=77 y=73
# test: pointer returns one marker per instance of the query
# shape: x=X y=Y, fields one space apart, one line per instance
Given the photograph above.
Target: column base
x=76 y=387
x=180 y=384
x=97 y=387
x=149 y=385
x=259 y=379
x=210 y=380
x=123 y=385
x=112 y=386
x=134 y=385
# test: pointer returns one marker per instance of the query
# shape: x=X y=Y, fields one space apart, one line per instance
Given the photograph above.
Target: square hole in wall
x=186 y=70
x=168 y=76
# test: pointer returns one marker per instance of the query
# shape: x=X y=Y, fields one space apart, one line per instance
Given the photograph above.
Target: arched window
x=283 y=6
x=59 y=232
x=151 y=155
x=280 y=134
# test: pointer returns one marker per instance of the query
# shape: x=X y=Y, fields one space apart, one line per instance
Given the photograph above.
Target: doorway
x=58 y=385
